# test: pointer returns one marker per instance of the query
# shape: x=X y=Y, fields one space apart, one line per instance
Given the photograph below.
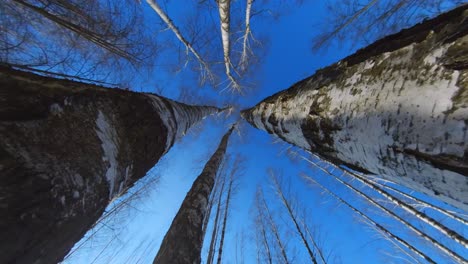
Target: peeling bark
x=397 y=109
x=66 y=150
x=183 y=241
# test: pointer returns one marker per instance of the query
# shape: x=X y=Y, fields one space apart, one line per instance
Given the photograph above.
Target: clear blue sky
x=134 y=235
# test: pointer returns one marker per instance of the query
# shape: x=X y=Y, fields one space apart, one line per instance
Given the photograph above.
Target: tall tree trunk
x=246 y=52
x=292 y=216
x=183 y=241
x=407 y=224
x=224 y=8
x=397 y=108
x=367 y=218
x=226 y=212
x=66 y=150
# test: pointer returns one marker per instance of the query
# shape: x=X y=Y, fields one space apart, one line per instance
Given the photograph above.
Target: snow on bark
x=183 y=241
x=67 y=149
x=397 y=108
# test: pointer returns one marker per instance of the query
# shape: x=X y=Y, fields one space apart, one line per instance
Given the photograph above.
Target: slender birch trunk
x=273 y=227
x=226 y=212
x=397 y=109
x=424 y=203
x=224 y=8
x=452 y=234
x=292 y=216
x=183 y=241
x=423 y=235
x=170 y=24
x=244 y=60
x=214 y=233
x=377 y=225
x=66 y=150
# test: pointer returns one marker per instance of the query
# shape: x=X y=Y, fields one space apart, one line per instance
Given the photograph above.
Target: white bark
x=224 y=7
x=244 y=60
x=397 y=109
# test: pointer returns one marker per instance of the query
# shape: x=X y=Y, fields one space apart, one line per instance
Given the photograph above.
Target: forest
x=243 y=131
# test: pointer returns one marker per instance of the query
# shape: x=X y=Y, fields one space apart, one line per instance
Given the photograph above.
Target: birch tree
x=67 y=150
x=246 y=50
x=396 y=109
x=224 y=8
x=183 y=241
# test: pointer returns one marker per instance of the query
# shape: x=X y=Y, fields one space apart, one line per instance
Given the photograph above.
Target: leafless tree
x=183 y=241
x=82 y=39
x=380 y=227
x=265 y=214
x=370 y=200
x=274 y=179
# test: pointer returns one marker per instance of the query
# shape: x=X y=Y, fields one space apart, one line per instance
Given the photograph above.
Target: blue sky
x=135 y=234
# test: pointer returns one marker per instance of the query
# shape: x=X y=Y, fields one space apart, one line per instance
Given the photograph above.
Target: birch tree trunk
x=66 y=150
x=183 y=241
x=224 y=8
x=398 y=109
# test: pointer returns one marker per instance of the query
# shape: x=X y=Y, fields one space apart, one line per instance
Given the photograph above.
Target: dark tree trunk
x=183 y=241
x=397 y=109
x=66 y=150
